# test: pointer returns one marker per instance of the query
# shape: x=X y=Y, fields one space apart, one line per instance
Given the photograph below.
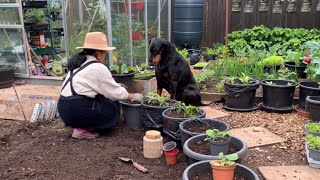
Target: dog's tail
x=222 y=100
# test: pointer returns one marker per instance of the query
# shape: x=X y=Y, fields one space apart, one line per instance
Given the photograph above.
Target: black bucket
x=240 y=96
x=6 y=76
x=313 y=106
x=126 y=79
x=131 y=114
x=278 y=97
x=299 y=69
x=307 y=88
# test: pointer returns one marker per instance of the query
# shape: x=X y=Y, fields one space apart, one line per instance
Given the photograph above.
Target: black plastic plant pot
x=202 y=170
x=309 y=132
x=152 y=115
x=313 y=154
x=6 y=76
x=313 y=107
x=131 y=114
x=219 y=146
x=200 y=122
x=278 y=95
x=299 y=69
x=307 y=88
x=193 y=156
x=193 y=55
x=171 y=124
x=126 y=79
x=211 y=57
x=241 y=97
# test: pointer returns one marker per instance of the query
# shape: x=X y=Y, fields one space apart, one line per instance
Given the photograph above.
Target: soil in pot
x=307 y=88
x=203 y=147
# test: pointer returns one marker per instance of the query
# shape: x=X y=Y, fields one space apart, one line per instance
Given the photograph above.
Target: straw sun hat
x=96 y=40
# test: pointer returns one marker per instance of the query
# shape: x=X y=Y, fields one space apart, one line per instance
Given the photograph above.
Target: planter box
x=145 y=86
x=34 y=4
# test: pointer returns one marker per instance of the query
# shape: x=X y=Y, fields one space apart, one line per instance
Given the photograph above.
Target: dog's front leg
x=173 y=89
x=159 y=91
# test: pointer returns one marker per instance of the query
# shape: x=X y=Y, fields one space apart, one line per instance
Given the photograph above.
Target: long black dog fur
x=173 y=73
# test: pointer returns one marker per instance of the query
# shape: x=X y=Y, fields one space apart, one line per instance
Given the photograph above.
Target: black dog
x=173 y=73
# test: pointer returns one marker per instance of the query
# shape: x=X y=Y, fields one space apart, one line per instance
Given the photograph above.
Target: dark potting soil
x=175 y=114
x=201 y=128
x=203 y=147
x=208 y=176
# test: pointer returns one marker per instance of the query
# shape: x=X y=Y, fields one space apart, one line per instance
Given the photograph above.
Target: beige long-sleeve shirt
x=95 y=79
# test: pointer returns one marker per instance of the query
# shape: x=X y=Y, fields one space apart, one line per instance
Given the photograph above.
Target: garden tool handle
x=139 y=167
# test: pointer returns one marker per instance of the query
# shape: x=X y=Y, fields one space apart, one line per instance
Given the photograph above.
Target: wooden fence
x=248 y=13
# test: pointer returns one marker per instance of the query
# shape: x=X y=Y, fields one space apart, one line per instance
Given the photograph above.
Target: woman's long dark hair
x=77 y=60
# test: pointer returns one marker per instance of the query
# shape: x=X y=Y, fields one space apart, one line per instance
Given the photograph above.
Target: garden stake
x=19 y=102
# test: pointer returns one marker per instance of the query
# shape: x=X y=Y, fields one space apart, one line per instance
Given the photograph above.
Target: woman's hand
x=135 y=97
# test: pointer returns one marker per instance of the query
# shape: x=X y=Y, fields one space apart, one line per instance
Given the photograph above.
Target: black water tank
x=187 y=22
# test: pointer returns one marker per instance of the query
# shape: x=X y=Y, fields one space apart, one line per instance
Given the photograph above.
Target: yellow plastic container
x=57 y=68
x=152 y=144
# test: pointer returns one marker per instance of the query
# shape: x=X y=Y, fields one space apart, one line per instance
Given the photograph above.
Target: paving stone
x=256 y=136
x=289 y=173
x=213 y=113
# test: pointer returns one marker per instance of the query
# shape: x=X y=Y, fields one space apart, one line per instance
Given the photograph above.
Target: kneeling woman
x=88 y=93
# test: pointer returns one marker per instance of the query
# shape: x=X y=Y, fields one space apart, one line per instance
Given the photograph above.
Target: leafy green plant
x=270 y=83
x=209 y=51
x=155 y=99
x=285 y=73
x=219 y=86
x=293 y=56
x=183 y=52
x=313 y=127
x=313 y=142
x=245 y=79
x=122 y=68
x=200 y=64
x=204 y=76
x=272 y=61
x=186 y=110
x=216 y=134
x=35 y=16
x=136 y=26
x=225 y=160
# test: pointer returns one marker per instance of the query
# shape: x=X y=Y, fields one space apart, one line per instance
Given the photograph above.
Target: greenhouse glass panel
x=12 y=49
x=9 y=16
x=8 y=1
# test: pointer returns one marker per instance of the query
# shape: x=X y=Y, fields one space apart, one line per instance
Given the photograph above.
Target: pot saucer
x=271 y=109
x=255 y=107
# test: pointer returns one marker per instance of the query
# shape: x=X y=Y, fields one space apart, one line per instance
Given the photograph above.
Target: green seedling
x=156 y=99
x=269 y=82
x=219 y=86
x=187 y=111
x=289 y=84
x=225 y=160
x=215 y=134
x=313 y=142
x=313 y=127
x=122 y=69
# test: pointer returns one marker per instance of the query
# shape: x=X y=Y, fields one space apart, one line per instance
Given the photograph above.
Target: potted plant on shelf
x=241 y=93
x=284 y=89
x=313 y=146
x=55 y=9
x=218 y=140
x=136 y=30
x=123 y=74
x=6 y=76
x=180 y=112
x=151 y=109
x=223 y=169
x=36 y=18
x=312 y=128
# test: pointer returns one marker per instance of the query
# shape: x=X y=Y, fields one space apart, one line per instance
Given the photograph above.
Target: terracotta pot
x=222 y=172
x=172 y=156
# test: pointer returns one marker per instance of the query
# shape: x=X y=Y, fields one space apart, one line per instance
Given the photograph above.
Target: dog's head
x=158 y=46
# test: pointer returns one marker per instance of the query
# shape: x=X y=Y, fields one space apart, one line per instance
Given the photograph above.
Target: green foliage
x=225 y=160
x=313 y=142
x=294 y=56
x=201 y=64
x=272 y=61
x=218 y=69
x=187 y=111
x=219 y=86
x=183 y=52
x=155 y=99
x=314 y=48
x=35 y=16
x=209 y=51
x=204 y=76
x=136 y=26
x=55 y=7
x=122 y=69
x=257 y=71
x=270 y=83
x=245 y=79
x=214 y=134
x=285 y=73
x=280 y=40
x=313 y=127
